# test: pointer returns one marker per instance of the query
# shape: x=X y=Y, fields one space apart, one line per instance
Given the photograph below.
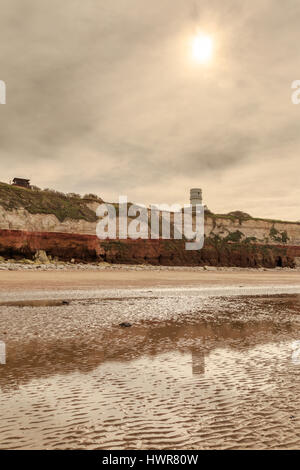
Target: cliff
x=81 y=247
x=65 y=226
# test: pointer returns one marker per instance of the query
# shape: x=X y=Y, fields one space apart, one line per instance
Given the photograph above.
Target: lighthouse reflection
x=198 y=362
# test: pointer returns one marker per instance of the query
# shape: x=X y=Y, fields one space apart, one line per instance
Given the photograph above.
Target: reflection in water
x=198 y=362
x=2 y=352
x=296 y=352
x=221 y=382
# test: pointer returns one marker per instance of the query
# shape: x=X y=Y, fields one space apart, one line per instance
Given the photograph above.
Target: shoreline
x=209 y=281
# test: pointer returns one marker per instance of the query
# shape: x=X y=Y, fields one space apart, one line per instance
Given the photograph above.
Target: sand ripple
x=197 y=383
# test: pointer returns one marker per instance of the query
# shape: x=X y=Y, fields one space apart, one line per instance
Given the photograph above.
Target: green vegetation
x=234 y=237
x=47 y=202
x=250 y=240
x=273 y=233
x=241 y=216
x=280 y=237
x=284 y=236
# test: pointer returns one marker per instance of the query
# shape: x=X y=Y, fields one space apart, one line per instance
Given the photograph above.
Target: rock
x=41 y=257
x=125 y=325
x=26 y=261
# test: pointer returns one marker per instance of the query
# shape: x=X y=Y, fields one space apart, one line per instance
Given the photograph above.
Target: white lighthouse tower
x=195 y=196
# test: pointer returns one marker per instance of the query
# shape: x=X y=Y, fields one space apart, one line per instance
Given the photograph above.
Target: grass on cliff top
x=46 y=202
x=244 y=219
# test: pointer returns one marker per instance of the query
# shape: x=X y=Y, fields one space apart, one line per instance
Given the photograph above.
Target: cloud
x=103 y=97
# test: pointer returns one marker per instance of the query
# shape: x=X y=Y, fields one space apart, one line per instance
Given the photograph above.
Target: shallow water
x=223 y=374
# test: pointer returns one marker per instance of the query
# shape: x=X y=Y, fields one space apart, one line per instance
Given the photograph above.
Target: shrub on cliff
x=280 y=237
x=92 y=197
x=240 y=214
x=73 y=196
x=234 y=236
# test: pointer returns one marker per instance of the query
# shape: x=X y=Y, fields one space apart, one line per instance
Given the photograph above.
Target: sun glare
x=202 y=48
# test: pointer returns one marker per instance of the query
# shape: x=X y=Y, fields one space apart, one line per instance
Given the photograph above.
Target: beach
x=60 y=277
x=150 y=358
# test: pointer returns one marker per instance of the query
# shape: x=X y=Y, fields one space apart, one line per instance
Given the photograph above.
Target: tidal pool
x=224 y=376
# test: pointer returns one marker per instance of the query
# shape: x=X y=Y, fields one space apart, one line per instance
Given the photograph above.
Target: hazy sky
x=104 y=97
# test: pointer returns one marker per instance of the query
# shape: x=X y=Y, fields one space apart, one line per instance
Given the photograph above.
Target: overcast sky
x=104 y=97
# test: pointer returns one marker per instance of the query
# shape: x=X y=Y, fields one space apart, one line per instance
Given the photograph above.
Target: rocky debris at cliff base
x=54 y=265
x=41 y=257
x=210 y=268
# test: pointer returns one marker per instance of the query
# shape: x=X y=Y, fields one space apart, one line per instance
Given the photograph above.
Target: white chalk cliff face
x=255 y=230
x=259 y=231
x=21 y=219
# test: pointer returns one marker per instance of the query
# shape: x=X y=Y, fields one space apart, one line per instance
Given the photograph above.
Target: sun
x=202 y=48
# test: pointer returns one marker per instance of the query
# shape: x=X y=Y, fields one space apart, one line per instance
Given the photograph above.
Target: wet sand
x=195 y=370
x=143 y=277
x=211 y=361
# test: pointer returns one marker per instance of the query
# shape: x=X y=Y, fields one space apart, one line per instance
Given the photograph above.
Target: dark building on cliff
x=23 y=183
